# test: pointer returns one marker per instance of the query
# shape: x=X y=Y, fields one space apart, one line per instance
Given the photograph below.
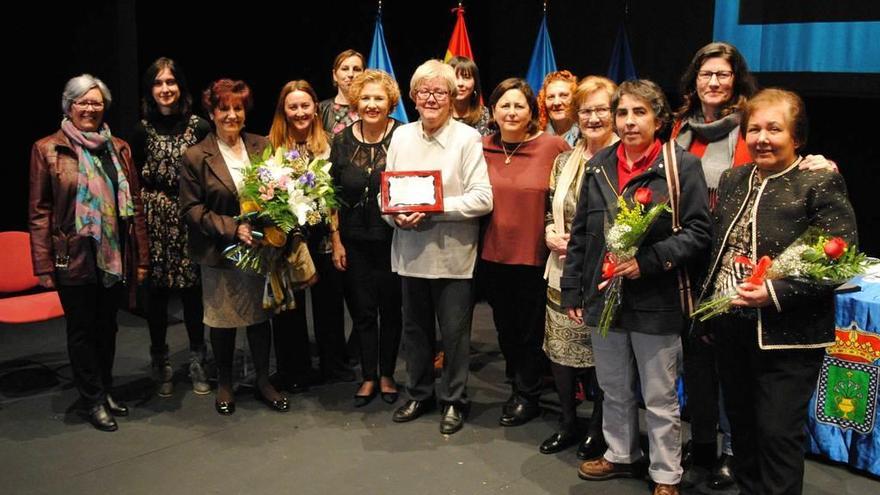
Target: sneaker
x=602 y=469
x=197 y=373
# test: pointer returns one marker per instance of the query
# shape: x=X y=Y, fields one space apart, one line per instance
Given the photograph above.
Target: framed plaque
x=412 y=191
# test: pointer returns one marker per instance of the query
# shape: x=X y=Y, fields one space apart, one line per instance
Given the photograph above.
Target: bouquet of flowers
x=813 y=257
x=281 y=193
x=622 y=243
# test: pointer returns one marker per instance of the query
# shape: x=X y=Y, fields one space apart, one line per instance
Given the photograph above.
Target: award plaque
x=412 y=191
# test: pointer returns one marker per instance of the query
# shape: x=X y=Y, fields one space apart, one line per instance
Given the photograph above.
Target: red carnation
x=834 y=247
x=643 y=196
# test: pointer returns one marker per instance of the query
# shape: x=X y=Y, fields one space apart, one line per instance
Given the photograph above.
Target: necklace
x=509 y=156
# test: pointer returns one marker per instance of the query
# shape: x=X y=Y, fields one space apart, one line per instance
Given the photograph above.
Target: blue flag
x=621 y=67
x=543 y=61
x=379 y=59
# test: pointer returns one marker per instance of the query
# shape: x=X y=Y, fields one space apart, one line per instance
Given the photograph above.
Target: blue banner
x=543 y=61
x=379 y=59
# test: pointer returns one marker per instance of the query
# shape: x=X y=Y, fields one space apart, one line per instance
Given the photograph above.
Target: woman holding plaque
x=362 y=241
x=434 y=254
x=519 y=158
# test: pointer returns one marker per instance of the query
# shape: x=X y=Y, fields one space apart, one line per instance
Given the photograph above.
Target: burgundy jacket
x=52 y=208
x=209 y=199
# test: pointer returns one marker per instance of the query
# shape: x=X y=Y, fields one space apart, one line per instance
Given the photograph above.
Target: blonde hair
x=429 y=70
x=585 y=89
x=279 y=134
x=375 y=76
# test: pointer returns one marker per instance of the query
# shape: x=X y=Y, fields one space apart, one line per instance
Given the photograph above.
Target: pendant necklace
x=509 y=156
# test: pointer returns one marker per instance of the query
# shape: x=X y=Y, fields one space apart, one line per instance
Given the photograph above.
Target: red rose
x=834 y=247
x=608 y=265
x=643 y=196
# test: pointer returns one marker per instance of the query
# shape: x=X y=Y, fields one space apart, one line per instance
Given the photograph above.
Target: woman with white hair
x=434 y=254
x=88 y=236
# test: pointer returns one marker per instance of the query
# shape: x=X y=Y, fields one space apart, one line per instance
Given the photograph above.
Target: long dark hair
x=468 y=67
x=148 y=104
x=744 y=85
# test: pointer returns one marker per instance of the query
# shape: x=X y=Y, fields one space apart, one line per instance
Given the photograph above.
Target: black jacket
x=651 y=303
x=802 y=313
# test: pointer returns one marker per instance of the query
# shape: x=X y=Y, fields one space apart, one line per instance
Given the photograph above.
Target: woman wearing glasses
x=568 y=344
x=435 y=254
x=362 y=242
x=519 y=157
x=716 y=87
x=88 y=236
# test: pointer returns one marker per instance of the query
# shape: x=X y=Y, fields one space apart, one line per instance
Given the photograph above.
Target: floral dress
x=170 y=267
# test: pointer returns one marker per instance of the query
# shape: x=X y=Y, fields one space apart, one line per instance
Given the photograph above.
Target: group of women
x=530 y=186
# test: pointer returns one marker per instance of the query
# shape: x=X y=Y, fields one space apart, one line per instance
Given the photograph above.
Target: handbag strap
x=674 y=187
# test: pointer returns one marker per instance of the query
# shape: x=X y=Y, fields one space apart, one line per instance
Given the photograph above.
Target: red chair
x=17 y=275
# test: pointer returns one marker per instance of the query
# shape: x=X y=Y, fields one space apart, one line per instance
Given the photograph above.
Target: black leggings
x=157 y=317
x=223 y=342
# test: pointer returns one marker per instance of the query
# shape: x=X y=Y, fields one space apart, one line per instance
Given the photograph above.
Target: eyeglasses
x=600 y=112
x=95 y=105
x=722 y=75
x=439 y=95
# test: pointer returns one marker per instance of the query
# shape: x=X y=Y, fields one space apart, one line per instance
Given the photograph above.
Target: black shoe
x=521 y=412
x=453 y=419
x=722 y=473
x=363 y=400
x=101 y=418
x=225 y=408
x=390 y=397
x=559 y=441
x=116 y=408
x=280 y=405
x=592 y=447
x=412 y=410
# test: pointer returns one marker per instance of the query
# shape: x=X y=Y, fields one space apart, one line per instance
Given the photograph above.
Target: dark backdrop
x=269 y=43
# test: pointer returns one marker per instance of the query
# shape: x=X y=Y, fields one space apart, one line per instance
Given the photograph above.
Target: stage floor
x=322 y=446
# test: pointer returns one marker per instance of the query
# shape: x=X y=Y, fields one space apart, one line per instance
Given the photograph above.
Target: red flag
x=459 y=44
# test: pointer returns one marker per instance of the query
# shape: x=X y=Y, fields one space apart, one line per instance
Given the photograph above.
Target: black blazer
x=801 y=314
x=208 y=198
x=651 y=303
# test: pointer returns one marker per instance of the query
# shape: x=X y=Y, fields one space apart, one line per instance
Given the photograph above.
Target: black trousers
x=701 y=385
x=766 y=395
x=90 y=312
x=518 y=297
x=290 y=329
x=372 y=292
x=428 y=303
x=223 y=343
x=157 y=317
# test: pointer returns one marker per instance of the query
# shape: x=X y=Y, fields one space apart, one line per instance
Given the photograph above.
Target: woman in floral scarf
x=88 y=236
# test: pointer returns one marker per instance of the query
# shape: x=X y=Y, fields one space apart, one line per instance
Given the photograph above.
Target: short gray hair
x=80 y=85
x=429 y=70
x=649 y=92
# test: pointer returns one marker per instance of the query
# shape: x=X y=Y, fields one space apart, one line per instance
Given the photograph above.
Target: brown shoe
x=661 y=489
x=601 y=469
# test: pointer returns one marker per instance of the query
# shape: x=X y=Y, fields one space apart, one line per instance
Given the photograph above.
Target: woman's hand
x=751 y=296
x=576 y=315
x=244 y=234
x=409 y=222
x=47 y=281
x=558 y=243
x=339 y=259
x=142 y=273
x=628 y=269
x=817 y=162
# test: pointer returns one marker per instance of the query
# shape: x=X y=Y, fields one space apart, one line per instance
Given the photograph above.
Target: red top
x=639 y=166
x=515 y=234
